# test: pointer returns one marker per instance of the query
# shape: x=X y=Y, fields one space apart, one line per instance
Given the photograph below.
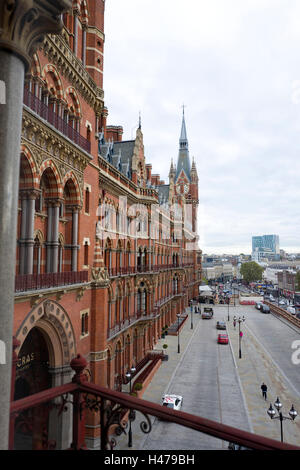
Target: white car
x=291 y=310
x=282 y=302
x=172 y=401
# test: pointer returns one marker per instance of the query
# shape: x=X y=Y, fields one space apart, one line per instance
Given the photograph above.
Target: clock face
x=178 y=189
x=186 y=188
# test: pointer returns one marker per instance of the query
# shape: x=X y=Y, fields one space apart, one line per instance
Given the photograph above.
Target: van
x=291 y=310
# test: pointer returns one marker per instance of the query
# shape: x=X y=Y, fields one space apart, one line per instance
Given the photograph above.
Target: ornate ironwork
x=114 y=419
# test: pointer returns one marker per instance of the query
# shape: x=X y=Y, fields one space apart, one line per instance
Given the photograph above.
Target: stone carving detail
x=47 y=308
x=24 y=24
x=100 y=276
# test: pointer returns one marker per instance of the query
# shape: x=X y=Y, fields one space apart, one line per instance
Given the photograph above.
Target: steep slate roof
x=163 y=193
x=118 y=154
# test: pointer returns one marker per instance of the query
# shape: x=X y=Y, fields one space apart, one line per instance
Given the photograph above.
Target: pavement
x=254 y=367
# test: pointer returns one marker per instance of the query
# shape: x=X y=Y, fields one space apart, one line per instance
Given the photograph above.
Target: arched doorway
x=47 y=346
x=32 y=376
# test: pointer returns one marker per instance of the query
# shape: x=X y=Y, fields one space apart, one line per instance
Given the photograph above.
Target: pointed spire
x=172 y=170
x=140 y=120
x=183 y=162
x=183 y=141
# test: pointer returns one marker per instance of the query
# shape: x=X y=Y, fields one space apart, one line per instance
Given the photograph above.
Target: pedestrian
x=234 y=323
x=264 y=389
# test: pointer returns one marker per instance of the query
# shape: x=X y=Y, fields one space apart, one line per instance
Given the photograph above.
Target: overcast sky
x=235 y=64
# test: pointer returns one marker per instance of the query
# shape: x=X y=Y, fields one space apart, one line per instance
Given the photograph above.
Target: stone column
x=23 y=233
x=84 y=28
x=55 y=243
x=75 y=13
x=74 y=238
x=29 y=235
x=23 y=25
x=49 y=238
x=60 y=425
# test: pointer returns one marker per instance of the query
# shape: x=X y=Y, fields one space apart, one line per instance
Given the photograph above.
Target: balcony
x=40 y=108
x=30 y=282
x=112 y=409
x=122 y=271
x=125 y=323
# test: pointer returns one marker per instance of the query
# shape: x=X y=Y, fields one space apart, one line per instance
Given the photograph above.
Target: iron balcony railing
x=40 y=108
x=113 y=410
x=126 y=322
x=145 y=268
x=27 y=282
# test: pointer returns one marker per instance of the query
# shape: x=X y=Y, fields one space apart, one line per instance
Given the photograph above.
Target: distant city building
x=286 y=282
x=265 y=247
x=219 y=271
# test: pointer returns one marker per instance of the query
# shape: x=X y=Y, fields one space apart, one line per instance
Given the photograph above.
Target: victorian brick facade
x=107 y=253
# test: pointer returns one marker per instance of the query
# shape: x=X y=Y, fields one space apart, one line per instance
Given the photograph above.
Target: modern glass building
x=267 y=246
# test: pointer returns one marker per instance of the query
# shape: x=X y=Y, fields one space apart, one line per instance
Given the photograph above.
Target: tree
x=251 y=271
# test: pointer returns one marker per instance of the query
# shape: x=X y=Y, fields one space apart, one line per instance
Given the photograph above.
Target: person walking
x=264 y=390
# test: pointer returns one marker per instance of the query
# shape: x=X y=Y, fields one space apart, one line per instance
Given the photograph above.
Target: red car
x=223 y=339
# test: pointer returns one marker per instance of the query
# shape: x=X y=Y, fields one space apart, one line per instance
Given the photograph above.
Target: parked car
x=222 y=339
x=265 y=309
x=172 y=401
x=282 y=302
x=207 y=313
x=291 y=310
x=258 y=305
x=221 y=325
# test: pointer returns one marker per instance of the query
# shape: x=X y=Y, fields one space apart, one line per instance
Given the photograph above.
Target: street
x=216 y=384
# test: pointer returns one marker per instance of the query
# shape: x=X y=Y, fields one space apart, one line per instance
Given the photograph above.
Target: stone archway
x=46 y=339
x=52 y=319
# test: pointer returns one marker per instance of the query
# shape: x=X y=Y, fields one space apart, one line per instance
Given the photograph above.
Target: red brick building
x=107 y=253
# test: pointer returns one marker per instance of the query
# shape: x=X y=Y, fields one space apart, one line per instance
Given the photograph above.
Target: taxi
x=172 y=401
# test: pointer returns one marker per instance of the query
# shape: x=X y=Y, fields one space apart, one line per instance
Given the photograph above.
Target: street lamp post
x=228 y=301
x=131 y=415
x=271 y=412
x=178 y=316
x=240 y=320
x=192 y=311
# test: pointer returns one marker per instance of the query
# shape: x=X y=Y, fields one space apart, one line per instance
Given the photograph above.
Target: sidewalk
x=255 y=367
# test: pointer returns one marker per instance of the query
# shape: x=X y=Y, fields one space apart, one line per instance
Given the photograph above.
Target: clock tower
x=186 y=177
